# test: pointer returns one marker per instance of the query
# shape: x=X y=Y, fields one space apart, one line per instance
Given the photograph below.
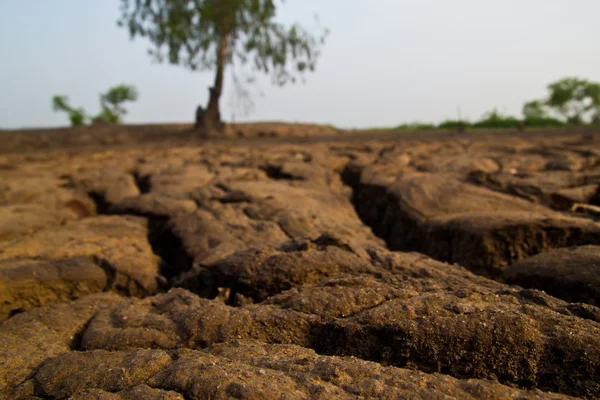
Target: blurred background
x=385 y=62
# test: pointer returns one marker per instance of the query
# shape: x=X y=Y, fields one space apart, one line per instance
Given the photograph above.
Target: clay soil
x=299 y=261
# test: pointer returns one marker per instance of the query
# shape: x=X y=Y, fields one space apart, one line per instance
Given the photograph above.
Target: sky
x=385 y=62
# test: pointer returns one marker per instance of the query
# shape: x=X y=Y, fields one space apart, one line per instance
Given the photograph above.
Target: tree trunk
x=212 y=115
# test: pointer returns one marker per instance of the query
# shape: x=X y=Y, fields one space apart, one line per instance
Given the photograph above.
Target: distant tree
x=76 y=115
x=593 y=91
x=111 y=101
x=458 y=125
x=493 y=119
x=210 y=34
x=543 y=122
x=534 y=110
x=416 y=126
x=575 y=99
x=535 y=114
x=110 y=105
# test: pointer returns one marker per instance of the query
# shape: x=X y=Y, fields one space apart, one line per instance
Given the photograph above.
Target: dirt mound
x=571 y=273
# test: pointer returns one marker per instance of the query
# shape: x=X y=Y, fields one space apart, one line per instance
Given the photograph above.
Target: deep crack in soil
x=395 y=219
x=165 y=243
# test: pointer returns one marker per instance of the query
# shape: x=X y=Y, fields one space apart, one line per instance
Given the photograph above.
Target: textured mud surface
x=458 y=267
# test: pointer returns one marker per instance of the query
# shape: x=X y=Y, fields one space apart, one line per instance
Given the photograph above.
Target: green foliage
x=119 y=94
x=534 y=110
x=417 y=126
x=453 y=124
x=543 y=122
x=110 y=103
x=187 y=32
x=112 y=111
x=574 y=99
x=210 y=34
x=107 y=116
x=494 y=119
x=61 y=103
x=76 y=116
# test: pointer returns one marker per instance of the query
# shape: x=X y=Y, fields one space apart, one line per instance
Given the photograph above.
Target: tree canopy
x=534 y=109
x=575 y=99
x=111 y=101
x=210 y=34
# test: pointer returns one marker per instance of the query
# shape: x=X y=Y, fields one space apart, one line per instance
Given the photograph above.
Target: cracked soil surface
x=457 y=266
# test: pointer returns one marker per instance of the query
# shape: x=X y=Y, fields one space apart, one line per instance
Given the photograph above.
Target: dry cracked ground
x=459 y=267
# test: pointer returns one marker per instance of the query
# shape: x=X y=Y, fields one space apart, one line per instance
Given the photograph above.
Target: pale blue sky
x=386 y=61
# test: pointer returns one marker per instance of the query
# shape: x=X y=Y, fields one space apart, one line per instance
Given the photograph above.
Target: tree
x=76 y=115
x=536 y=114
x=593 y=92
x=210 y=34
x=574 y=99
x=534 y=110
x=110 y=104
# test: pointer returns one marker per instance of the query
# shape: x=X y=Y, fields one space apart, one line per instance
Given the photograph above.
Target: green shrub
x=494 y=119
x=543 y=122
x=112 y=111
x=110 y=104
x=76 y=115
x=454 y=124
x=418 y=126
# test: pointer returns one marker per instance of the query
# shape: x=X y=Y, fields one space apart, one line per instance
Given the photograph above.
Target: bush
x=417 y=126
x=494 y=119
x=543 y=122
x=110 y=104
x=509 y=122
x=77 y=117
x=454 y=124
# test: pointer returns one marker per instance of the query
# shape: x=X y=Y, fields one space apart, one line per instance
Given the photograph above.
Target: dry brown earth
x=304 y=263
